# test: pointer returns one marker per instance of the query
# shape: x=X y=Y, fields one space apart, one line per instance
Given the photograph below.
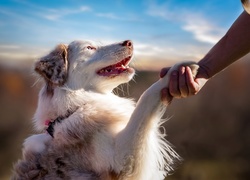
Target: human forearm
x=234 y=45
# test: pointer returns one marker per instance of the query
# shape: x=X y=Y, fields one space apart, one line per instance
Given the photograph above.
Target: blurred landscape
x=211 y=130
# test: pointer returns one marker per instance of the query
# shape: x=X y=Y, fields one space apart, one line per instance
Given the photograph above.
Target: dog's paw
x=36 y=143
x=193 y=66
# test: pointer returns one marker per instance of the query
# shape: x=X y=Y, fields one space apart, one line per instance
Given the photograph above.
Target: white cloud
x=55 y=14
x=127 y=17
x=159 y=52
x=202 y=29
x=165 y=11
x=20 y=52
x=107 y=15
x=52 y=13
x=150 y=49
x=7 y=47
x=85 y=8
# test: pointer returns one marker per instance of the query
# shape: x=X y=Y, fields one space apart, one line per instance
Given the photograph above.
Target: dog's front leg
x=132 y=143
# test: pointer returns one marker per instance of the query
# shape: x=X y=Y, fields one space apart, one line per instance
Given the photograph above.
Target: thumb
x=164 y=71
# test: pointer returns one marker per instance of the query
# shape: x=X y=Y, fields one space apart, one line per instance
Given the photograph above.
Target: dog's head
x=84 y=65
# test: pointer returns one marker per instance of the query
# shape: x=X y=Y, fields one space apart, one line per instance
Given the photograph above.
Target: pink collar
x=47 y=122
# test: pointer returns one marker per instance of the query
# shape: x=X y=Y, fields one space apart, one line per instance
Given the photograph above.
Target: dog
x=86 y=131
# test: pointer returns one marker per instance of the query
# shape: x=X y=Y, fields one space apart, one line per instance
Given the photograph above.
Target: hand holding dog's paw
x=185 y=79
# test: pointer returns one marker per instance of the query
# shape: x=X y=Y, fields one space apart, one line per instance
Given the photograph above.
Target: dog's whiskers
x=36 y=82
x=119 y=90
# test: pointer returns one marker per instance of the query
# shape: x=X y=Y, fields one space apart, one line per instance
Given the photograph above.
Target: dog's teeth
x=123 y=66
x=108 y=70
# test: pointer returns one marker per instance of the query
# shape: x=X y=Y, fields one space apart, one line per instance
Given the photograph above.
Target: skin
x=232 y=46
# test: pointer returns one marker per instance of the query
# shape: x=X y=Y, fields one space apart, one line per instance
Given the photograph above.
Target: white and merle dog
x=89 y=133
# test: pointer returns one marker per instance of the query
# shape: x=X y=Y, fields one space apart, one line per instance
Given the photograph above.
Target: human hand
x=182 y=84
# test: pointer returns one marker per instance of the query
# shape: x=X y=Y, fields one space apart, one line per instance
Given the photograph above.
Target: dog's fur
x=106 y=136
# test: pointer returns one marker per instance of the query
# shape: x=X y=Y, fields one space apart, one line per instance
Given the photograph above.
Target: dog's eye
x=91 y=48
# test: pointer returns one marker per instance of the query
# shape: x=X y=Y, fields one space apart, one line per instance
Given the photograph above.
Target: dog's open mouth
x=116 y=69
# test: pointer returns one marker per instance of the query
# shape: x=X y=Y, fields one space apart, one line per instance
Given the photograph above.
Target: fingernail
x=182 y=70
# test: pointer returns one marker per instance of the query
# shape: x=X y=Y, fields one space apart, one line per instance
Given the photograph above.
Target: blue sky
x=162 y=30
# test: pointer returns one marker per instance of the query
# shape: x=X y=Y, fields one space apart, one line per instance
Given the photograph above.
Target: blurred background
x=211 y=130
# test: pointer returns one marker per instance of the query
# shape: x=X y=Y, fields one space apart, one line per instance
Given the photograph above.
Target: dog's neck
x=52 y=106
x=62 y=100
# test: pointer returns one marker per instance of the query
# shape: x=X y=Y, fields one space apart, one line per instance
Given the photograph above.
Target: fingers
x=183 y=88
x=182 y=83
x=191 y=84
x=174 y=85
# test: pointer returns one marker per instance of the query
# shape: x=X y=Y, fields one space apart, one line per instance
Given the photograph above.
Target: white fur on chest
x=102 y=107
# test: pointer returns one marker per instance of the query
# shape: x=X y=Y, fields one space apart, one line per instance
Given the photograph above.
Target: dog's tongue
x=115 y=69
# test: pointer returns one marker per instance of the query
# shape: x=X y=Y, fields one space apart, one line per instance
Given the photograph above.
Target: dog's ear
x=54 y=66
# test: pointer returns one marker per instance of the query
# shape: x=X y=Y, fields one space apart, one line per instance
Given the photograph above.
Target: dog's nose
x=127 y=43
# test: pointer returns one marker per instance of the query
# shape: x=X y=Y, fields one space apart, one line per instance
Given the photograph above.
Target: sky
x=163 y=31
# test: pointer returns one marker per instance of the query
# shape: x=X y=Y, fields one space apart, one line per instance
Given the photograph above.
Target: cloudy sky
x=162 y=30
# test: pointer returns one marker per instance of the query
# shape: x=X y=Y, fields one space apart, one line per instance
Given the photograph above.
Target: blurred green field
x=211 y=130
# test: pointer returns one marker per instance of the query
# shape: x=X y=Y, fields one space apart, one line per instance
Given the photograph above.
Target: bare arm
x=234 y=45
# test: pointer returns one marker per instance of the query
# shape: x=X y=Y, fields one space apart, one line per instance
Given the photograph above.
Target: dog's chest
x=109 y=108
x=101 y=123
